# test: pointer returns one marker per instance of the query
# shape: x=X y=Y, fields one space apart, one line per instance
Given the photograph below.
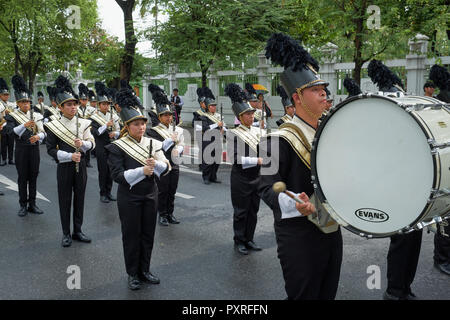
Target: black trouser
x=138 y=219
x=167 y=186
x=310 y=259
x=88 y=156
x=442 y=243
x=402 y=260
x=7 y=146
x=178 y=110
x=27 y=165
x=104 y=175
x=245 y=201
x=70 y=181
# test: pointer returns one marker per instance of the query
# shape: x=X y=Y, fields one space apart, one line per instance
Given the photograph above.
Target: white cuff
x=287 y=206
x=116 y=135
x=86 y=146
x=213 y=126
x=42 y=136
x=102 y=129
x=249 y=162
x=160 y=167
x=167 y=144
x=46 y=120
x=19 y=130
x=225 y=129
x=134 y=176
x=180 y=150
x=198 y=127
x=63 y=156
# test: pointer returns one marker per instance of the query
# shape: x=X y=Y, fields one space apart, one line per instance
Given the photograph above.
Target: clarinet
x=261 y=121
x=77 y=164
x=110 y=129
x=221 y=114
x=150 y=149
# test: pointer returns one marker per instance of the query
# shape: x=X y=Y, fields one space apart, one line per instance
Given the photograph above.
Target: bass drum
x=381 y=165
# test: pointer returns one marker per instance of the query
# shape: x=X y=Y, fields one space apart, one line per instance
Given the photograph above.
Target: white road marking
x=11 y=185
x=184 y=196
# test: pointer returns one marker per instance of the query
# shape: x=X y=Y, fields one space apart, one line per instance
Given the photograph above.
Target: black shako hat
x=127 y=102
x=238 y=99
x=162 y=103
x=64 y=91
x=285 y=100
x=21 y=92
x=441 y=78
x=300 y=68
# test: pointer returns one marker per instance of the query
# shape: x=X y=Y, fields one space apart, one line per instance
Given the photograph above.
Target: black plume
x=124 y=84
x=100 y=88
x=200 y=92
x=19 y=84
x=51 y=92
x=235 y=92
x=382 y=75
x=91 y=93
x=63 y=84
x=351 y=86
x=126 y=99
x=440 y=77
x=3 y=84
x=83 y=89
x=282 y=93
x=153 y=88
x=285 y=51
x=111 y=93
x=159 y=96
x=208 y=93
x=40 y=93
x=250 y=88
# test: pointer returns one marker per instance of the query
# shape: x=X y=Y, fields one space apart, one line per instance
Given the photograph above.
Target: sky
x=112 y=21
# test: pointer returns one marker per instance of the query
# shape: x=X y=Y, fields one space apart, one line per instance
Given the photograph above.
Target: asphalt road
x=194 y=260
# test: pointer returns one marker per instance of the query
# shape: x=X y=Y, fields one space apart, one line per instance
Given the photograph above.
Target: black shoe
x=66 y=240
x=110 y=197
x=1 y=193
x=216 y=181
x=34 y=209
x=80 y=236
x=89 y=165
x=163 y=221
x=172 y=219
x=3 y=163
x=206 y=181
x=148 y=277
x=22 y=211
x=11 y=162
x=411 y=296
x=388 y=296
x=242 y=249
x=443 y=267
x=252 y=246
x=104 y=199
x=134 y=283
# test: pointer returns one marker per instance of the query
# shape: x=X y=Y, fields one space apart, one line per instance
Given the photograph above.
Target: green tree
x=210 y=31
x=42 y=35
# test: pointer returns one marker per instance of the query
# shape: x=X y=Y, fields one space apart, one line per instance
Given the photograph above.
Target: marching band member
x=441 y=78
x=172 y=140
x=242 y=143
x=211 y=121
x=7 y=140
x=40 y=106
x=404 y=249
x=52 y=112
x=197 y=118
x=254 y=103
x=68 y=140
x=28 y=132
x=134 y=161
x=105 y=128
x=85 y=111
x=289 y=108
x=310 y=257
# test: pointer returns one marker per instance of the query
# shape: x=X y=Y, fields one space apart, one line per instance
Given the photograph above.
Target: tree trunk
x=357 y=56
x=204 y=69
x=126 y=64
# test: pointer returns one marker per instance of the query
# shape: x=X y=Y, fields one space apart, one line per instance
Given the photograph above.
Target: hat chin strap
x=306 y=108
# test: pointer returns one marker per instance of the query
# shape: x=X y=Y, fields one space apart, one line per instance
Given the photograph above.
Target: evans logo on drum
x=372 y=215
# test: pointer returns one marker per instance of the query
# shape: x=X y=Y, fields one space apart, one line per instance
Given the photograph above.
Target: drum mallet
x=280 y=186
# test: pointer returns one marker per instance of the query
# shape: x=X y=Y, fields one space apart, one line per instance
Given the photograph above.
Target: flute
x=77 y=164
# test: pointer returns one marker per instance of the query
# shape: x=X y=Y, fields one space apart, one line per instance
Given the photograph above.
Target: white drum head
x=374 y=166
